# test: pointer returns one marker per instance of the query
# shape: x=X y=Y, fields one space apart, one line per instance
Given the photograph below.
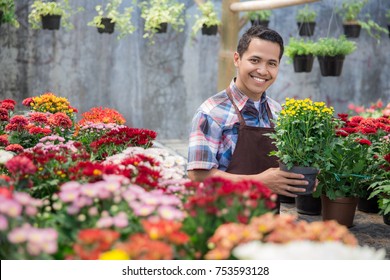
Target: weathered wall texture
x=160 y=86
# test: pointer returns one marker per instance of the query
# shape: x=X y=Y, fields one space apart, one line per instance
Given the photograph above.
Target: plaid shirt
x=214 y=131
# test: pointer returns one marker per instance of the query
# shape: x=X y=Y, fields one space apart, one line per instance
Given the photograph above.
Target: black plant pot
x=309 y=173
x=51 y=22
x=308 y=205
x=352 y=30
x=163 y=28
x=109 y=26
x=260 y=22
x=306 y=28
x=286 y=199
x=1 y=17
x=209 y=30
x=386 y=219
x=368 y=205
x=388 y=27
x=303 y=63
x=331 y=65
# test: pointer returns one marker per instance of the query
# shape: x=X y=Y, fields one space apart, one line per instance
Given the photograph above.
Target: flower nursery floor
x=369 y=229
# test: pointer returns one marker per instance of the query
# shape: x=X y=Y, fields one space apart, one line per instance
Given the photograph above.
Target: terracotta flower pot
x=341 y=209
x=310 y=174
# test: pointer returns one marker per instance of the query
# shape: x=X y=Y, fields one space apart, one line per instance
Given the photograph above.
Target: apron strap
x=240 y=117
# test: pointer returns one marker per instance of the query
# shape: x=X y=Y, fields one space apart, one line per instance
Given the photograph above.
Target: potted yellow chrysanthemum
x=303 y=133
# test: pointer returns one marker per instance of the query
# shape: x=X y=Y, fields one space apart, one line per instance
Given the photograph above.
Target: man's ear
x=236 y=58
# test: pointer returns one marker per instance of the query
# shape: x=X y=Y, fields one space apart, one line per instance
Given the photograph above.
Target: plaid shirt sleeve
x=204 y=141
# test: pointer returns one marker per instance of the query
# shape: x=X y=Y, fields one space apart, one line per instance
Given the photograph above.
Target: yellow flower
x=114 y=254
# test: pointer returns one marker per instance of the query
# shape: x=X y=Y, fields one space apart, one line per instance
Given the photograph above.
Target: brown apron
x=251 y=155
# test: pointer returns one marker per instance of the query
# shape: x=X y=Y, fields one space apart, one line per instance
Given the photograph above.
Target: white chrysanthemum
x=5 y=156
x=306 y=250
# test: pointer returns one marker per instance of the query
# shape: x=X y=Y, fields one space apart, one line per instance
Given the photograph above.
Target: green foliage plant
x=350 y=11
x=208 y=17
x=298 y=47
x=155 y=12
x=7 y=7
x=330 y=46
x=41 y=8
x=111 y=10
x=262 y=15
x=306 y=14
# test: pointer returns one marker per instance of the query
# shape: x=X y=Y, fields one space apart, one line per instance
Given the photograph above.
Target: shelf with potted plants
x=300 y=52
x=110 y=16
x=350 y=11
x=306 y=21
x=207 y=21
x=331 y=53
x=51 y=15
x=7 y=13
x=158 y=14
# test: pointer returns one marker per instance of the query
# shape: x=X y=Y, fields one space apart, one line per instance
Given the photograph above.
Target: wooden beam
x=228 y=43
x=266 y=4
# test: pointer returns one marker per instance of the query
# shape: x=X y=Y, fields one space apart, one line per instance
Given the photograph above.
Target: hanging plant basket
x=51 y=22
x=331 y=65
x=1 y=17
x=352 y=30
x=108 y=26
x=209 y=30
x=388 y=27
x=163 y=28
x=306 y=28
x=303 y=63
x=260 y=22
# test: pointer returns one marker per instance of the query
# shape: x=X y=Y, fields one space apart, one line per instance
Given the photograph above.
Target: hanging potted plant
x=261 y=17
x=110 y=16
x=159 y=13
x=51 y=15
x=208 y=21
x=388 y=21
x=300 y=52
x=306 y=18
x=7 y=13
x=349 y=12
x=331 y=53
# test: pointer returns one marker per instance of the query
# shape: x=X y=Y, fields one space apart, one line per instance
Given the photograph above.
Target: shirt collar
x=240 y=99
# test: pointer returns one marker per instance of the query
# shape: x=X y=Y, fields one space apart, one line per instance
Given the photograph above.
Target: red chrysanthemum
x=21 y=165
x=16 y=148
x=60 y=119
x=4 y=114
x=4 y=140
x=38 y=117
x=28 y=102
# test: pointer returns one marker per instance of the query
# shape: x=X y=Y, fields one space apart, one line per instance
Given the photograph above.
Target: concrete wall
x=160 y=86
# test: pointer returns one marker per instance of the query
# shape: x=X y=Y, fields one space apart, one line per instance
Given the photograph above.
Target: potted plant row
x=7 y=13
x=207 y=21
x=330 y=53
x=110 y=16
x=306 y=18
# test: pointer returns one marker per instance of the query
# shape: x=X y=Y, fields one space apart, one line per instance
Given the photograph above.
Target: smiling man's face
x=258 y=68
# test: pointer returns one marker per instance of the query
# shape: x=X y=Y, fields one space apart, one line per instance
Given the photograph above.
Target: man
x=228 y=136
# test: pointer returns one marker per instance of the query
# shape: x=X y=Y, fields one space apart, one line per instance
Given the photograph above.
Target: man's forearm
x=200 y=175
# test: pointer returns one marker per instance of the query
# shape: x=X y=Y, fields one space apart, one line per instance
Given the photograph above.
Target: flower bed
x=98 y=189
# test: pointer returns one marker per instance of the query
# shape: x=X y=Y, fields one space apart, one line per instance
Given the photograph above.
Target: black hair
x=261 y=32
